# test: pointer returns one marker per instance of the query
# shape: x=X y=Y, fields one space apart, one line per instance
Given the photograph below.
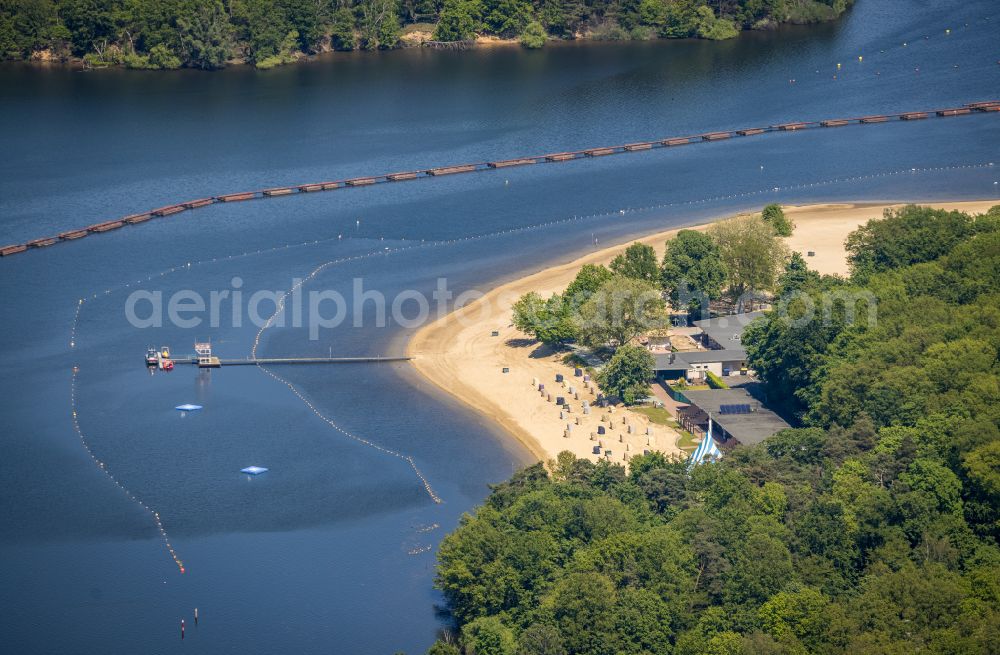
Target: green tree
x=506 y=18
x=380 y=28
x=627 y=374
x=342 y=34
x=487 y=635
x=797 y=276
x=206 y=37
x=692 y=271
x=774 y=216
x=460 y=20
x=540 y=639
x=751 y=254
x=637 y=262
x=443 y=648
x=533 y=36
x=904 y=237
x=586 y=283
x=550 y=321
x=620 y=310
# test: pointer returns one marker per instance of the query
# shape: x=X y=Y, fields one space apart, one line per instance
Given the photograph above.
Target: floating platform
x=791 y=127
x=958 y=111
x=451 y=170
x=599 y=152
x=751 y=132
x=913 y=116
x=560 y=156
x=106 y=226
x=330 y=186
x=42 y=243
x=308 y=188
x=132 y=219
x=360 y=181
x=506 y=163
x=874 y=119
x=216 y=362
x=167 y=211
x=236 y=197
x=12 y=250
x=200 y=202
x=716 y=136
x=634 y=147
x=72 y=234
x=676 y=142
x=983 y=105
x=279 y=191
x=399 y=177
x=837 y=122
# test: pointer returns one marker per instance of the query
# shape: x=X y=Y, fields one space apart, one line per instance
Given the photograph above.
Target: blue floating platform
x=188 y=407
x=254 y=470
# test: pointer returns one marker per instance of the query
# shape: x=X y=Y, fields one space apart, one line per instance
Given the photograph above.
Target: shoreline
x=458 y=354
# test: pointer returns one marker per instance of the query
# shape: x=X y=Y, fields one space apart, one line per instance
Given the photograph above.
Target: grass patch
x=658 y=415
x=686 y=441
x=419 y=27
x=661 y=416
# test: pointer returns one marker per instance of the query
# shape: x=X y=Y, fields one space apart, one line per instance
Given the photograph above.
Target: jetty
x=980 y=107
x=219 y=362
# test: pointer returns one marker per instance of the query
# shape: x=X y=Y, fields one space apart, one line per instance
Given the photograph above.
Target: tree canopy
x=872 y=528
x=173 y=33
x=627 y=374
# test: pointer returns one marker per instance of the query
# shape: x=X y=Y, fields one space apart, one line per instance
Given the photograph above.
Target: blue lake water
x=332 y=550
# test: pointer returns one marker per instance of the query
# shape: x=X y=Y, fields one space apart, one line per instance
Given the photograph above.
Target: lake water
x=332 y=550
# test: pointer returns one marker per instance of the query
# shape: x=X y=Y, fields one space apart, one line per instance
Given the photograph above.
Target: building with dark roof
x=691 y=364
x=726 y=332
x=736 y=416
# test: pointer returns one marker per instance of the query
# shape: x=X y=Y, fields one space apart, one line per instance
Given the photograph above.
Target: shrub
x=533 y=35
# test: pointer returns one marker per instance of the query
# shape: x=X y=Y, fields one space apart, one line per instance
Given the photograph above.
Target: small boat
x=187 y=407
x=152 y=359
x=164 y=351
x=254 y=470
x=166 y=365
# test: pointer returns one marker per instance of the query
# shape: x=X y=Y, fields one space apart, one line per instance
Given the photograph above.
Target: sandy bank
x=459 y=354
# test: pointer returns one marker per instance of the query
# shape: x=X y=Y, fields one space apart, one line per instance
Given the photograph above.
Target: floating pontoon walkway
x=439 y=171
x=215 y=362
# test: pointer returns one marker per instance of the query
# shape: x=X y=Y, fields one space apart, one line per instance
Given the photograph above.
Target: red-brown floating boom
x=983 y=106
x=236 y=197
x=506 y=163
x=167 y=211
x=451 y=170
x=12 y=250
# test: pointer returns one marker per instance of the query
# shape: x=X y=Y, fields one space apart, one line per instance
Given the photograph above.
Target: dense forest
x=210 y=34
x=871 y=528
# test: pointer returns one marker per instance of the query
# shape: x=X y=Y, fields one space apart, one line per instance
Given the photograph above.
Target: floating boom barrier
x=587 y=153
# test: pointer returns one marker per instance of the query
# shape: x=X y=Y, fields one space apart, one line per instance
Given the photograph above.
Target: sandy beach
x=460 y=355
